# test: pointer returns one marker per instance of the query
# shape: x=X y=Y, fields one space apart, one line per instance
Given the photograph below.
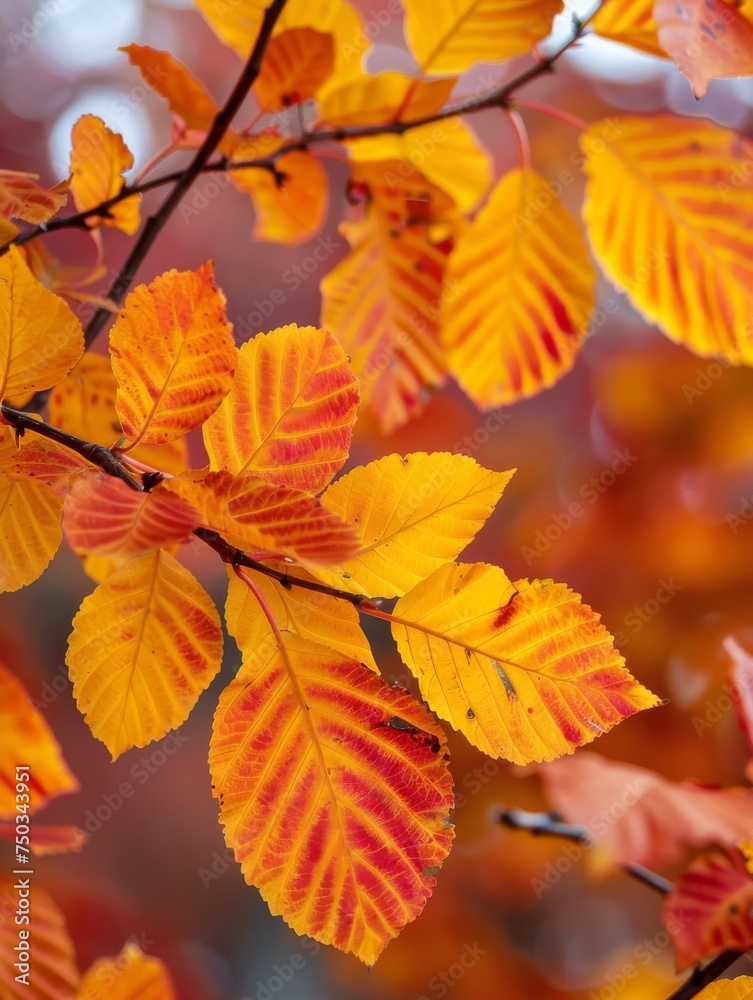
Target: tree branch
x=497 y=98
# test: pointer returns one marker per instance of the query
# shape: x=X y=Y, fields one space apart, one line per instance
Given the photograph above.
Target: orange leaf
x=639 y=816
x=526 y=291
x=290 y=413
x=258 y=516
x=130 y=976
x=84 y=405
x=99 y=157
x=173 y=356
x=47 y=839
x=382 y=302
x=669 y=212
x=54 y=973
x=524 y=671
x=26 y=739
x=310 y=614
x=740 y=988
x=709 y=909
x=291 y=205
x=296 y=64
x=386 y=97
x=40 y=338
x=102 y=516
x=44 y=462
x=22 y=198
x=30 y=532
x=144 y=646
x=340 y=829
x=630 y=22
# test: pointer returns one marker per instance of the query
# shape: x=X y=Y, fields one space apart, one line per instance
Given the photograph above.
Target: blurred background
x=655 y=444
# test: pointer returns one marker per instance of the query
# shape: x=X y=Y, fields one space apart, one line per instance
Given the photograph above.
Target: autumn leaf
x=741 y=682
x=706 y=38
x=308 y=613
x=412 y=514
x=382 y=98
x=451 y=37
x=24 y=731
x=54 y=974
x=338 y=18
x=84 y=404
x=630 y=22
x=30 y=532
x=296 y=64
x=47 y=839
x=382 y=302
x=289 y=415
x=173 y=356
x=99 y=158
x=353 y=813
x=291 y=202
x=668 y=227
x=664 y=818
x=709 y=909
x=22 y=198
x=525 y=671
x=740 y=988
x=520 y=293
x=40 y=338
x=144 y=645
x=45 y=462
x=131 y=975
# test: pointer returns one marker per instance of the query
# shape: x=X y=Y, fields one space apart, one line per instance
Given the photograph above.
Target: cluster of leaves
x=333 y=787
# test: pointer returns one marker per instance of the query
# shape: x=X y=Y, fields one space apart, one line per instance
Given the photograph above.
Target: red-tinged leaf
x=173 y=356
x=338 y=820
x=258 y=516
x=47 y=839
x=309 y=613
x=103 y=516
x=30 y=531
x=84 y=405
x=26 y=739
x=291 y=203
x=741 y=682
x=131 y=975
x=382 y=304
x=45 y=462
x=144 y=646
x=638 y=815
x=99 y=158
x=22 y=198
x=290 y=413
x=54 y=973
x=710 y=908
x=525 y=671
x=296 y=64
x=706 y=38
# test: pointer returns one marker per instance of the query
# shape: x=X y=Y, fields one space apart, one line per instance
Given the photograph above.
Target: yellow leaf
x=630 y=22
x=450 y=37
x=290 y=208
x=339 y=18
x=413 y=515
x=25 y=738
x=30 y=532
x=40 y=338
x=520 y=293
x=386 y=97
x=144 y=646
x=290 y=413
x=236 y=23
x=173 y=356
x=447 y=154
x=338 y=820
x=524 y=671
x=129 y=976
x=382 y=303
x=669 y=212
x=296 y=64
x=740 y=988
x=22 y=198
x=307 y=613
x=54 y=972
x=84 y=404
x=99 y=158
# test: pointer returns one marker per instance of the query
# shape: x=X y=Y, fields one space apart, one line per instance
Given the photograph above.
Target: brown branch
x=549 y=824
x=497 y=98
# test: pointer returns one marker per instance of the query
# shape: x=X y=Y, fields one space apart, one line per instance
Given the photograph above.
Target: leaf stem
x=558 y=114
